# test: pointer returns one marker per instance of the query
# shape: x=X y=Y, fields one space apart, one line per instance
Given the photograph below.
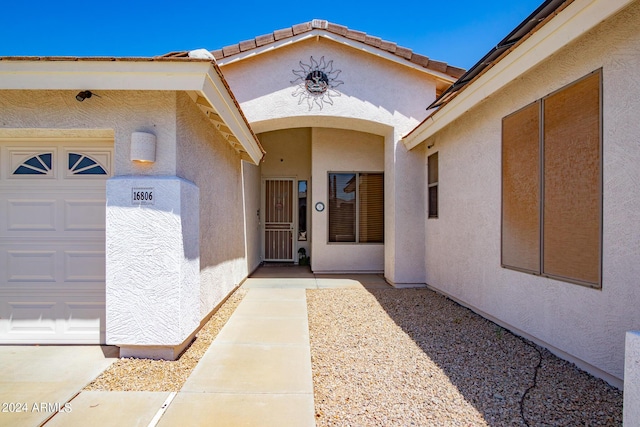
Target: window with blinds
x=432 y=182
x=356 y=207
x=551 y=185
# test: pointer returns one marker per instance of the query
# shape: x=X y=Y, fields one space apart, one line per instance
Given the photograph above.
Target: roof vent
x=201 y=54
x=319 y=23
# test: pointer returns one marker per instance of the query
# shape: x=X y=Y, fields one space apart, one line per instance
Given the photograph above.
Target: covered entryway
x=52 y=240
x=286 y=177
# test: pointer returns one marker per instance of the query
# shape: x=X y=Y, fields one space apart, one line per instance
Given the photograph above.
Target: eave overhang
x=544 y=40
x=202 y=79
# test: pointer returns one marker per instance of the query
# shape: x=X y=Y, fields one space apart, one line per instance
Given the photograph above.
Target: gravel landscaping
x=415 y=358
x=130 y=374
x=410 y=357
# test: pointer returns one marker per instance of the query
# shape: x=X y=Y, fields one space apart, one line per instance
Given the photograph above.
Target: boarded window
x=551 y=185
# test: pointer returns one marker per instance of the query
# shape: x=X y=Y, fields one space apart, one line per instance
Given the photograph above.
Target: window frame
x=433 y=184
x=357 y=208
x=541 y=189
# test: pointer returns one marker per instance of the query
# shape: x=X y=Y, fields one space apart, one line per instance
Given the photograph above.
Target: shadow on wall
x=493 y=369
x=155 y=213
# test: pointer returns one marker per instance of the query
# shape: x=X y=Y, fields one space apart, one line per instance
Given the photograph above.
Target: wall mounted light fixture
x=143 y=147
x=81 y=96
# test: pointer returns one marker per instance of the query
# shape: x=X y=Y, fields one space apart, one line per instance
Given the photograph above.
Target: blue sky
x=459 y=33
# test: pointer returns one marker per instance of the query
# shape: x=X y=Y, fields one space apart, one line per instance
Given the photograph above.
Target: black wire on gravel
x=535 y=371
x=535 y=377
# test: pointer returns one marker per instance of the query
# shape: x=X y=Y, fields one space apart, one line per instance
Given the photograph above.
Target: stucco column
x=152 y=265
x=405 y=211
x=631 y=405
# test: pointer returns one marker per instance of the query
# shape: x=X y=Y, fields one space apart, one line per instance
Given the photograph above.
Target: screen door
x=279 y=219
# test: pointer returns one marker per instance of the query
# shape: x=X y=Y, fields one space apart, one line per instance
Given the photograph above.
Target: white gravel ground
x=131 y=374
x=415 y=358
x=391 y=357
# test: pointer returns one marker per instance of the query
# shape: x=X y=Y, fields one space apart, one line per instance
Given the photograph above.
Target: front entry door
x=279 y=219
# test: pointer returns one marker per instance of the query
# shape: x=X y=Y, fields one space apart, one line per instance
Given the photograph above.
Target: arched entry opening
x=322 y=192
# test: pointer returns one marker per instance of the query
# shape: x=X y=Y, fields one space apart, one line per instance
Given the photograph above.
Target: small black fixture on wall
x=81 y=96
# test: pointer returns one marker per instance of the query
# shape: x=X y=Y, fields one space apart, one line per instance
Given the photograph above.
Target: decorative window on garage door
x=80 y=163
x=40 y=164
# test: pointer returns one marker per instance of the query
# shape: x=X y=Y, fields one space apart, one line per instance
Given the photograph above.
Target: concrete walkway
x=257 y=372
x=36 y=381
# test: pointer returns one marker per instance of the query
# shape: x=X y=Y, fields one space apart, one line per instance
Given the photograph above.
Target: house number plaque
x=142 y=196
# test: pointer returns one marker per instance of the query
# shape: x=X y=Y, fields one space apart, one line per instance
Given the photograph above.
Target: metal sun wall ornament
x=316 y=83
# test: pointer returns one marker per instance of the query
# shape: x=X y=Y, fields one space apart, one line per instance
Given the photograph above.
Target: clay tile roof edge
x=392 y=48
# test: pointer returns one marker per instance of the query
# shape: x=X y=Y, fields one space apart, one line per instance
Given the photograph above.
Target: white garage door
x=52 y=227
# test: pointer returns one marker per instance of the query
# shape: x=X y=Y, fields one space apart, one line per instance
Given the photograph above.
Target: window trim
x=541 y=205
x=357 y=208
x=18 y=156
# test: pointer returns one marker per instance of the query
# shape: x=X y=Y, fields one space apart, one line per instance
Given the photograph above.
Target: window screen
x=551 y=185
x=572 y=182
x=521 y=189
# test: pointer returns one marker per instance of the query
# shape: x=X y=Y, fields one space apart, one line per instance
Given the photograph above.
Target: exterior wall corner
x=152 y=261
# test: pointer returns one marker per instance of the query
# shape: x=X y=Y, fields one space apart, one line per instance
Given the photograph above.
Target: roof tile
x=247 y=45
x=283 y=33
x=404 y=52
x=438 y=66
x=231 y=50
x=421 y=60
x=301 y=28
x=265 y=39
x=388 y=46
x=319 y=23
x=373 y=41
x=456 y=72
x=218 y=54
x=322 y=25
x=337 y=29
x=356 y=35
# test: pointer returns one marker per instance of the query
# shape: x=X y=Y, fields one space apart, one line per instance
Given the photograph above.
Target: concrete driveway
x=37 y=381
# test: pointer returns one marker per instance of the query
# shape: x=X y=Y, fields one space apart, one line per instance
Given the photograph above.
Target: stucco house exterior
x=137 y=193
x=537 y=184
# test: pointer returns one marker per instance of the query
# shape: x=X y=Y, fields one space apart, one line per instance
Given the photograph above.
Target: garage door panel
x=52 y=240
x=31 y=215
x=34 y=317
x=84 y=266
x=45 y=320
x=31 y=266
x=83 y=318
x=84 y=215
x=53 y=265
